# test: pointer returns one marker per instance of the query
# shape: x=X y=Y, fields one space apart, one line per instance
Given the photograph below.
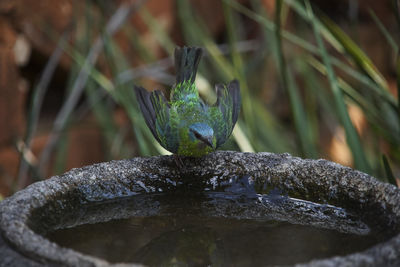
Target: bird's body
x=185 y=125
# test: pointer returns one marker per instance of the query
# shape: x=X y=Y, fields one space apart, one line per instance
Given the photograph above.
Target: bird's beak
x=209 y=141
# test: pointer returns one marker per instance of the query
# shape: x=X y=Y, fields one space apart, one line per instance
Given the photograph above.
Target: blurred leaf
x=157 y=31
x=311 y=48
x=352 y=137
x=398 y=86
x=300 y=118
x=354 y=94
x=136 y=41
x=336 y=37
x=34 y=109
x=384 y=31
x=61 y=154
x=124 y=95
x=388 y=171
x=359 y=57
x=238 y=67
x=342 y=43
x=396 y=11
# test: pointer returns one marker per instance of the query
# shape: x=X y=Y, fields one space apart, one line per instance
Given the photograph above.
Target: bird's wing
x=224 y=113
x=155 y=110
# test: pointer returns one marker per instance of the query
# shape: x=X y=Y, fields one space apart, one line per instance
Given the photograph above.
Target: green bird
x=185 y=125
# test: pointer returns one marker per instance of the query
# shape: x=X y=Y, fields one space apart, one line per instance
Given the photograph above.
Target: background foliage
x=308 y=88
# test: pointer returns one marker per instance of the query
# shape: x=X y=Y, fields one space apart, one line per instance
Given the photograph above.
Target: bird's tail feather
x=186 y=63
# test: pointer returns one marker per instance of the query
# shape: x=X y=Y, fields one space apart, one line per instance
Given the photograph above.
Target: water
x=200 y=241
x=215 y=228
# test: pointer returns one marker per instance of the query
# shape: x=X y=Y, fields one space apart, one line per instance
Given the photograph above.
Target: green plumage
x=185 y=125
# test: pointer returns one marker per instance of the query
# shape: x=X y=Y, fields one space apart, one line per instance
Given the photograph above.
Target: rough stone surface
x=315 y=180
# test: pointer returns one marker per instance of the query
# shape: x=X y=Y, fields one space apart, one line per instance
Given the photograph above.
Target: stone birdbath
x=228 y=208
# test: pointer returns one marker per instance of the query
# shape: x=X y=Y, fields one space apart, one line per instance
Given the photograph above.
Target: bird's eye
x=197 y=135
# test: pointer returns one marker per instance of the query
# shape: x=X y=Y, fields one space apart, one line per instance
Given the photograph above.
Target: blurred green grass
x=316 y=78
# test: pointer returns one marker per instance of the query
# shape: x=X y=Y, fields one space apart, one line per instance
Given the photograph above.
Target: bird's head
x=202 y=133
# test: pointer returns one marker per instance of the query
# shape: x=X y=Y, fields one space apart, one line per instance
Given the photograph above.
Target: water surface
x=219 y=229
